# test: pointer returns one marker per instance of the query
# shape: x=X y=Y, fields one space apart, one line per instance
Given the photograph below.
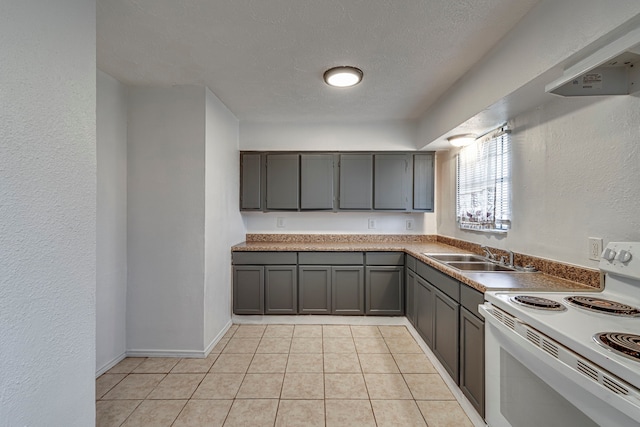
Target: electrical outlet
x=409 y=224
x=595 y=248
x=280 y=222
x=372 y=223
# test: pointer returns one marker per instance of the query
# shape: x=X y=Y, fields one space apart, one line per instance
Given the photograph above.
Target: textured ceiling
x=265 y=58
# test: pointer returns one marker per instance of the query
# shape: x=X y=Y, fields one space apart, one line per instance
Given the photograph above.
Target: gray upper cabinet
x=283 y=181
x=251 y=181
x=356 y=181
x=423 y=182
x=391 y=181
x=316 y=181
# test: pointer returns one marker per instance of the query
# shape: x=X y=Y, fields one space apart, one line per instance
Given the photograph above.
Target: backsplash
x=587 y=276
x=342 y=238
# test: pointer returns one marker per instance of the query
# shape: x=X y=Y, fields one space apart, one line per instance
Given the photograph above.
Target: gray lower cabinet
x=314 y=289
x=280 y=289
x=445 y=332
x=347 y=290
x=424 y=300
x=384 y=290
x=410 y=300
x=248 y=289
x=472 y=359
x=283 y=181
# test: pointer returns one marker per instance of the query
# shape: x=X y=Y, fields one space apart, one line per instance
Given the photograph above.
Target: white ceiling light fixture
x=461 y=140
x=344 y=76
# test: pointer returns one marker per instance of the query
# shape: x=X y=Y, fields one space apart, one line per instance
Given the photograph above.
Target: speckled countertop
x=480 y=281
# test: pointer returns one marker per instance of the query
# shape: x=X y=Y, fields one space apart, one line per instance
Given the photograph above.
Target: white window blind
x=483 y=195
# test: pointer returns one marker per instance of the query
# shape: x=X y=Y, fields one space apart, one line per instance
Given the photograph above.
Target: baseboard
x=190 y=354
x=310 y=319
x=113 y=362
x=218 y=337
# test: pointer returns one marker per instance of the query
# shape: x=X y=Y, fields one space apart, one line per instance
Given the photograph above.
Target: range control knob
x=609 y=254
x=624 y=256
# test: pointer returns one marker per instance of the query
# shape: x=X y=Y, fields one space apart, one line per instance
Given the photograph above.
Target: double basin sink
x=471 y=263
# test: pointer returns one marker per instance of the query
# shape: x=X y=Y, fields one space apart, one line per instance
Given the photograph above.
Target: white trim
x=311 y=319
x=189 y=354
x=217 y=338
x=113 y=362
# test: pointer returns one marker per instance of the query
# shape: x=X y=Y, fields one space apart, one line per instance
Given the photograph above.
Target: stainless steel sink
x=456 y=257
x=480 y=266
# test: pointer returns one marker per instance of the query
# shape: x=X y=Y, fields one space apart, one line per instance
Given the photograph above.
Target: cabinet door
x=248 y=289
x=384 y=290
x=472 y=359
x=314 y=290
x=316 y=181
x=391 y=181
x=445 y=333
x=423 y=182
x=424 y=296
x=356 y=181
x=251 y=181
x=410 y=280
x=283 y=177
x=281 y=289
x=347 y=290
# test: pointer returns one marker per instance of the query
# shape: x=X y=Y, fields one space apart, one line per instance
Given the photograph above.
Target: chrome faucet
x=510 y=258
x=503 y=259
x=488 y=253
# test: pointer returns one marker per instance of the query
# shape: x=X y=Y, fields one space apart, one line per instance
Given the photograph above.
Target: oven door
x=533 y=381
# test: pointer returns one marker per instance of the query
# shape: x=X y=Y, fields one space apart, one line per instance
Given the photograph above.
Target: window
x=483 y=194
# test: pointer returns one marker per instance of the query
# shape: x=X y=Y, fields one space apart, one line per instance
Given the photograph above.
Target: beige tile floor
x=284 y=375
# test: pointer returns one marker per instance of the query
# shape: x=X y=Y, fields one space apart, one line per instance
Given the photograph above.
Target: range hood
x=611 y=69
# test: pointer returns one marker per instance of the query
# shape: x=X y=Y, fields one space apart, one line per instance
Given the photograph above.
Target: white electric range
x=567 y=359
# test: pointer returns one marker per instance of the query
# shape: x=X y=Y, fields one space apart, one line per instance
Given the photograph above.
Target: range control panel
x=621 y=258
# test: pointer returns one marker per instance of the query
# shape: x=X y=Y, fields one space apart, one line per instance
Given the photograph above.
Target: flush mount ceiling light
x=461 y=140
x=343 y=76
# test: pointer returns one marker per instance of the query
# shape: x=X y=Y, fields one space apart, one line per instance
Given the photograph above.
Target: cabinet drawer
x=263 y=258
x=330 y=258
x=446 y=284
x=385 y=258
x=471 y=299
x=411 y=262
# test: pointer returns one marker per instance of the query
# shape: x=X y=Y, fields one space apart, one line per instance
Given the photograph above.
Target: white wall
x=223 y=223
x=550 y=33
x=576 y=163
x=165 y=208
x=339 y=223
x=379 y=135
x=111 y=269
x=47 y=213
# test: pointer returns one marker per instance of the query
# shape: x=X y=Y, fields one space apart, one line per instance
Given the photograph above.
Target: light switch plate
x=409 y=224
x=372 y=223
x=280 y=222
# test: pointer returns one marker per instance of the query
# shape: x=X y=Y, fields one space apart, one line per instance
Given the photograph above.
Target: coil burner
x=600 y=305
x=627 y=345
x=538 y=303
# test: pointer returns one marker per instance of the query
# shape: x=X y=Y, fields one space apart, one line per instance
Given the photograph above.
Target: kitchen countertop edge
x=482 y=282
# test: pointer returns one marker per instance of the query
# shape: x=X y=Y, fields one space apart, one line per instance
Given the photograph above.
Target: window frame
x=485 y=187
